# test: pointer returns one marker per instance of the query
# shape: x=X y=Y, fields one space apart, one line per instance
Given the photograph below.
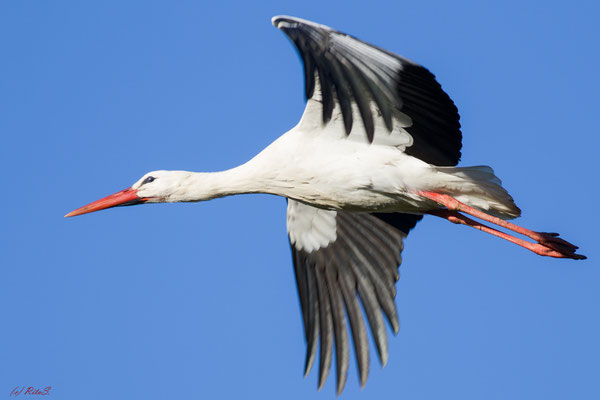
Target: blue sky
x=198 y=301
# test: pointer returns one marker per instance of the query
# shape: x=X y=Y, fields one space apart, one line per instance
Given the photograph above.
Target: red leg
x=549 y=244
x=537 y=248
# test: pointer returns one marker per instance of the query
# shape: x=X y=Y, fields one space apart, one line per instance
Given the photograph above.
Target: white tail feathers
x=480 y=188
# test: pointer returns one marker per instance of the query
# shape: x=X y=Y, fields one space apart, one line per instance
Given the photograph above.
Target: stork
x=374 y=151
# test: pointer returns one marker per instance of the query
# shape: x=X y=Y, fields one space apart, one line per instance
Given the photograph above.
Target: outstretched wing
x=342 y=259
x=348 y=80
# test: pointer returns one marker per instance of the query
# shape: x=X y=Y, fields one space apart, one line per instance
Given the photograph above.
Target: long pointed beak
x=123 y=198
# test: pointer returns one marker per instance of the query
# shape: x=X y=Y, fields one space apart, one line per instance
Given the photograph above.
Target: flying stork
x=374 y=151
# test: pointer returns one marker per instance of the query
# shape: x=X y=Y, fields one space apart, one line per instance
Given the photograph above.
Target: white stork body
x=376 y=148
x=318 y=165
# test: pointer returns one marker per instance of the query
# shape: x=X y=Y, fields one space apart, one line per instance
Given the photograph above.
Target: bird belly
x=354 y=198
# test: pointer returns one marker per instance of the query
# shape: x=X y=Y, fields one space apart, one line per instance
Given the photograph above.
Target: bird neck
x=211 y=185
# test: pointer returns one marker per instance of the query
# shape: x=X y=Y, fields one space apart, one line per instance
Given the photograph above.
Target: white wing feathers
x=310 y=228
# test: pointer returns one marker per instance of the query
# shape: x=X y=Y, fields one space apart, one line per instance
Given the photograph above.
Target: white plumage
x=310 y=228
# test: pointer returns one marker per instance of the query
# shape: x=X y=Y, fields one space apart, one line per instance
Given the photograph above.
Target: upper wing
x=341 y=259
x=347 y=79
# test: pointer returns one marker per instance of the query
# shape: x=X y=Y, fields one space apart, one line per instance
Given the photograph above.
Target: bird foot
x=552 y=237
x=549 y=244
x=555 y=250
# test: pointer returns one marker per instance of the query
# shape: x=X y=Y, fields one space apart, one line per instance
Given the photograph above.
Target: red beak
x=125 y=197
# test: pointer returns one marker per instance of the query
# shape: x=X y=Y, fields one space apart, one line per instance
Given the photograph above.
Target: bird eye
x=148 y=180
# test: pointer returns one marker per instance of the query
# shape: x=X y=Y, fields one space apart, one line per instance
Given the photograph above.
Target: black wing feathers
x=436 y=127
x=352 y=71
x=359 y=266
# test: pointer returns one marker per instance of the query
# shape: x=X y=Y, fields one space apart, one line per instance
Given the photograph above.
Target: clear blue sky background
x=198 y=301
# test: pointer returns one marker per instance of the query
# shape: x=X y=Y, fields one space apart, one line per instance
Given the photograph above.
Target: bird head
x=153 y=187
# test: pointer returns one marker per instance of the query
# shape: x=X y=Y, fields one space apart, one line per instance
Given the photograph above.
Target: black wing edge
x=358 y=270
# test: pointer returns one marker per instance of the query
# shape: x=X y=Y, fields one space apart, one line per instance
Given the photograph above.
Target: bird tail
x=479 y=188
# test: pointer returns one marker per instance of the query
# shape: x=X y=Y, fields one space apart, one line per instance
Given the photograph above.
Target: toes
x=555 y=250
x=547 y=238
x=560 y=247
x=551 y=250
x=543 y=250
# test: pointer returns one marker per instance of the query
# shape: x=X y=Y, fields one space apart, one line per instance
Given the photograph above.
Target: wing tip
x=287 y=21
x=278 y=19
x=307 y=366
x=341 y=383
